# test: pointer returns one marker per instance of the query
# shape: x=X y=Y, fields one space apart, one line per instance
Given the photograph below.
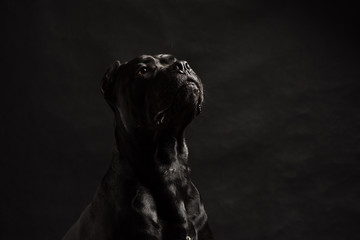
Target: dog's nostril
x=187 y=66
x=181 y=66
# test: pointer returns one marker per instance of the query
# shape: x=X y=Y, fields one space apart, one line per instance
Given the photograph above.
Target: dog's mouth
x=192 y=83
x=159 y=118
x=188 y=79
x=188 y=98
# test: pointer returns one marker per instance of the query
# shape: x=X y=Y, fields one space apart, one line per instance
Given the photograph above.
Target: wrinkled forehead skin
x=139 y=84
x=160 y=60
x=127 y=79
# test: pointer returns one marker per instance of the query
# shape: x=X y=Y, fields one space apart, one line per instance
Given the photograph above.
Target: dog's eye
x=142 y=71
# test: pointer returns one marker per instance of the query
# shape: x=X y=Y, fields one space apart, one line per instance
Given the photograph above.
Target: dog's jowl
x=147 y=193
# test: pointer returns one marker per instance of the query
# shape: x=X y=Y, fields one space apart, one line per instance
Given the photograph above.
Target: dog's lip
x=192 y=81
x=187 y=77
x=160 y=116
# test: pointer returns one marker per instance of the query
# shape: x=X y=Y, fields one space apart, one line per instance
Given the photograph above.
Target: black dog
x=147 y=193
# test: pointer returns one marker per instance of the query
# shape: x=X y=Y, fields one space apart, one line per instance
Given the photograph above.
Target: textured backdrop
x=275 y=153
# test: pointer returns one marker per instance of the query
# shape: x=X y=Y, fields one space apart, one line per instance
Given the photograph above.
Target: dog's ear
x=108 y=79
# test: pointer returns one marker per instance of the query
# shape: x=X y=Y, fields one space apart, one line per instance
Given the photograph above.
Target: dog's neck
x=140 y=149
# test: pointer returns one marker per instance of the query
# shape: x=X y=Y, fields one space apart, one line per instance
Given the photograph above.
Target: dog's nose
x=181 y=66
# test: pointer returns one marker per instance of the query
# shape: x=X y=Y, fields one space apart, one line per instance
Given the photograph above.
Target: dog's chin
x=183 y=106
x=188 y=93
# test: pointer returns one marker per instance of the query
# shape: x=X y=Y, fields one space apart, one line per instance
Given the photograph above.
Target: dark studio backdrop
x=274 y=154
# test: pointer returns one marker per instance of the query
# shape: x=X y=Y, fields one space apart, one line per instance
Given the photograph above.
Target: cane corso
x=147 y=193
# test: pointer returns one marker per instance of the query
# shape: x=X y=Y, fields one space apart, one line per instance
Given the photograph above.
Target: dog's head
x=153 y=92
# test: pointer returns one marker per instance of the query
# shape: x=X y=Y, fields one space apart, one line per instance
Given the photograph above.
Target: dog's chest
x=176 y=202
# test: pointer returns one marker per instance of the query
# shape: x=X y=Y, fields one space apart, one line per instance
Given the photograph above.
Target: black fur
x=147 y=192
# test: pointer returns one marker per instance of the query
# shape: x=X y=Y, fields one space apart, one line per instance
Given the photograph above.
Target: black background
x=275 y=152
